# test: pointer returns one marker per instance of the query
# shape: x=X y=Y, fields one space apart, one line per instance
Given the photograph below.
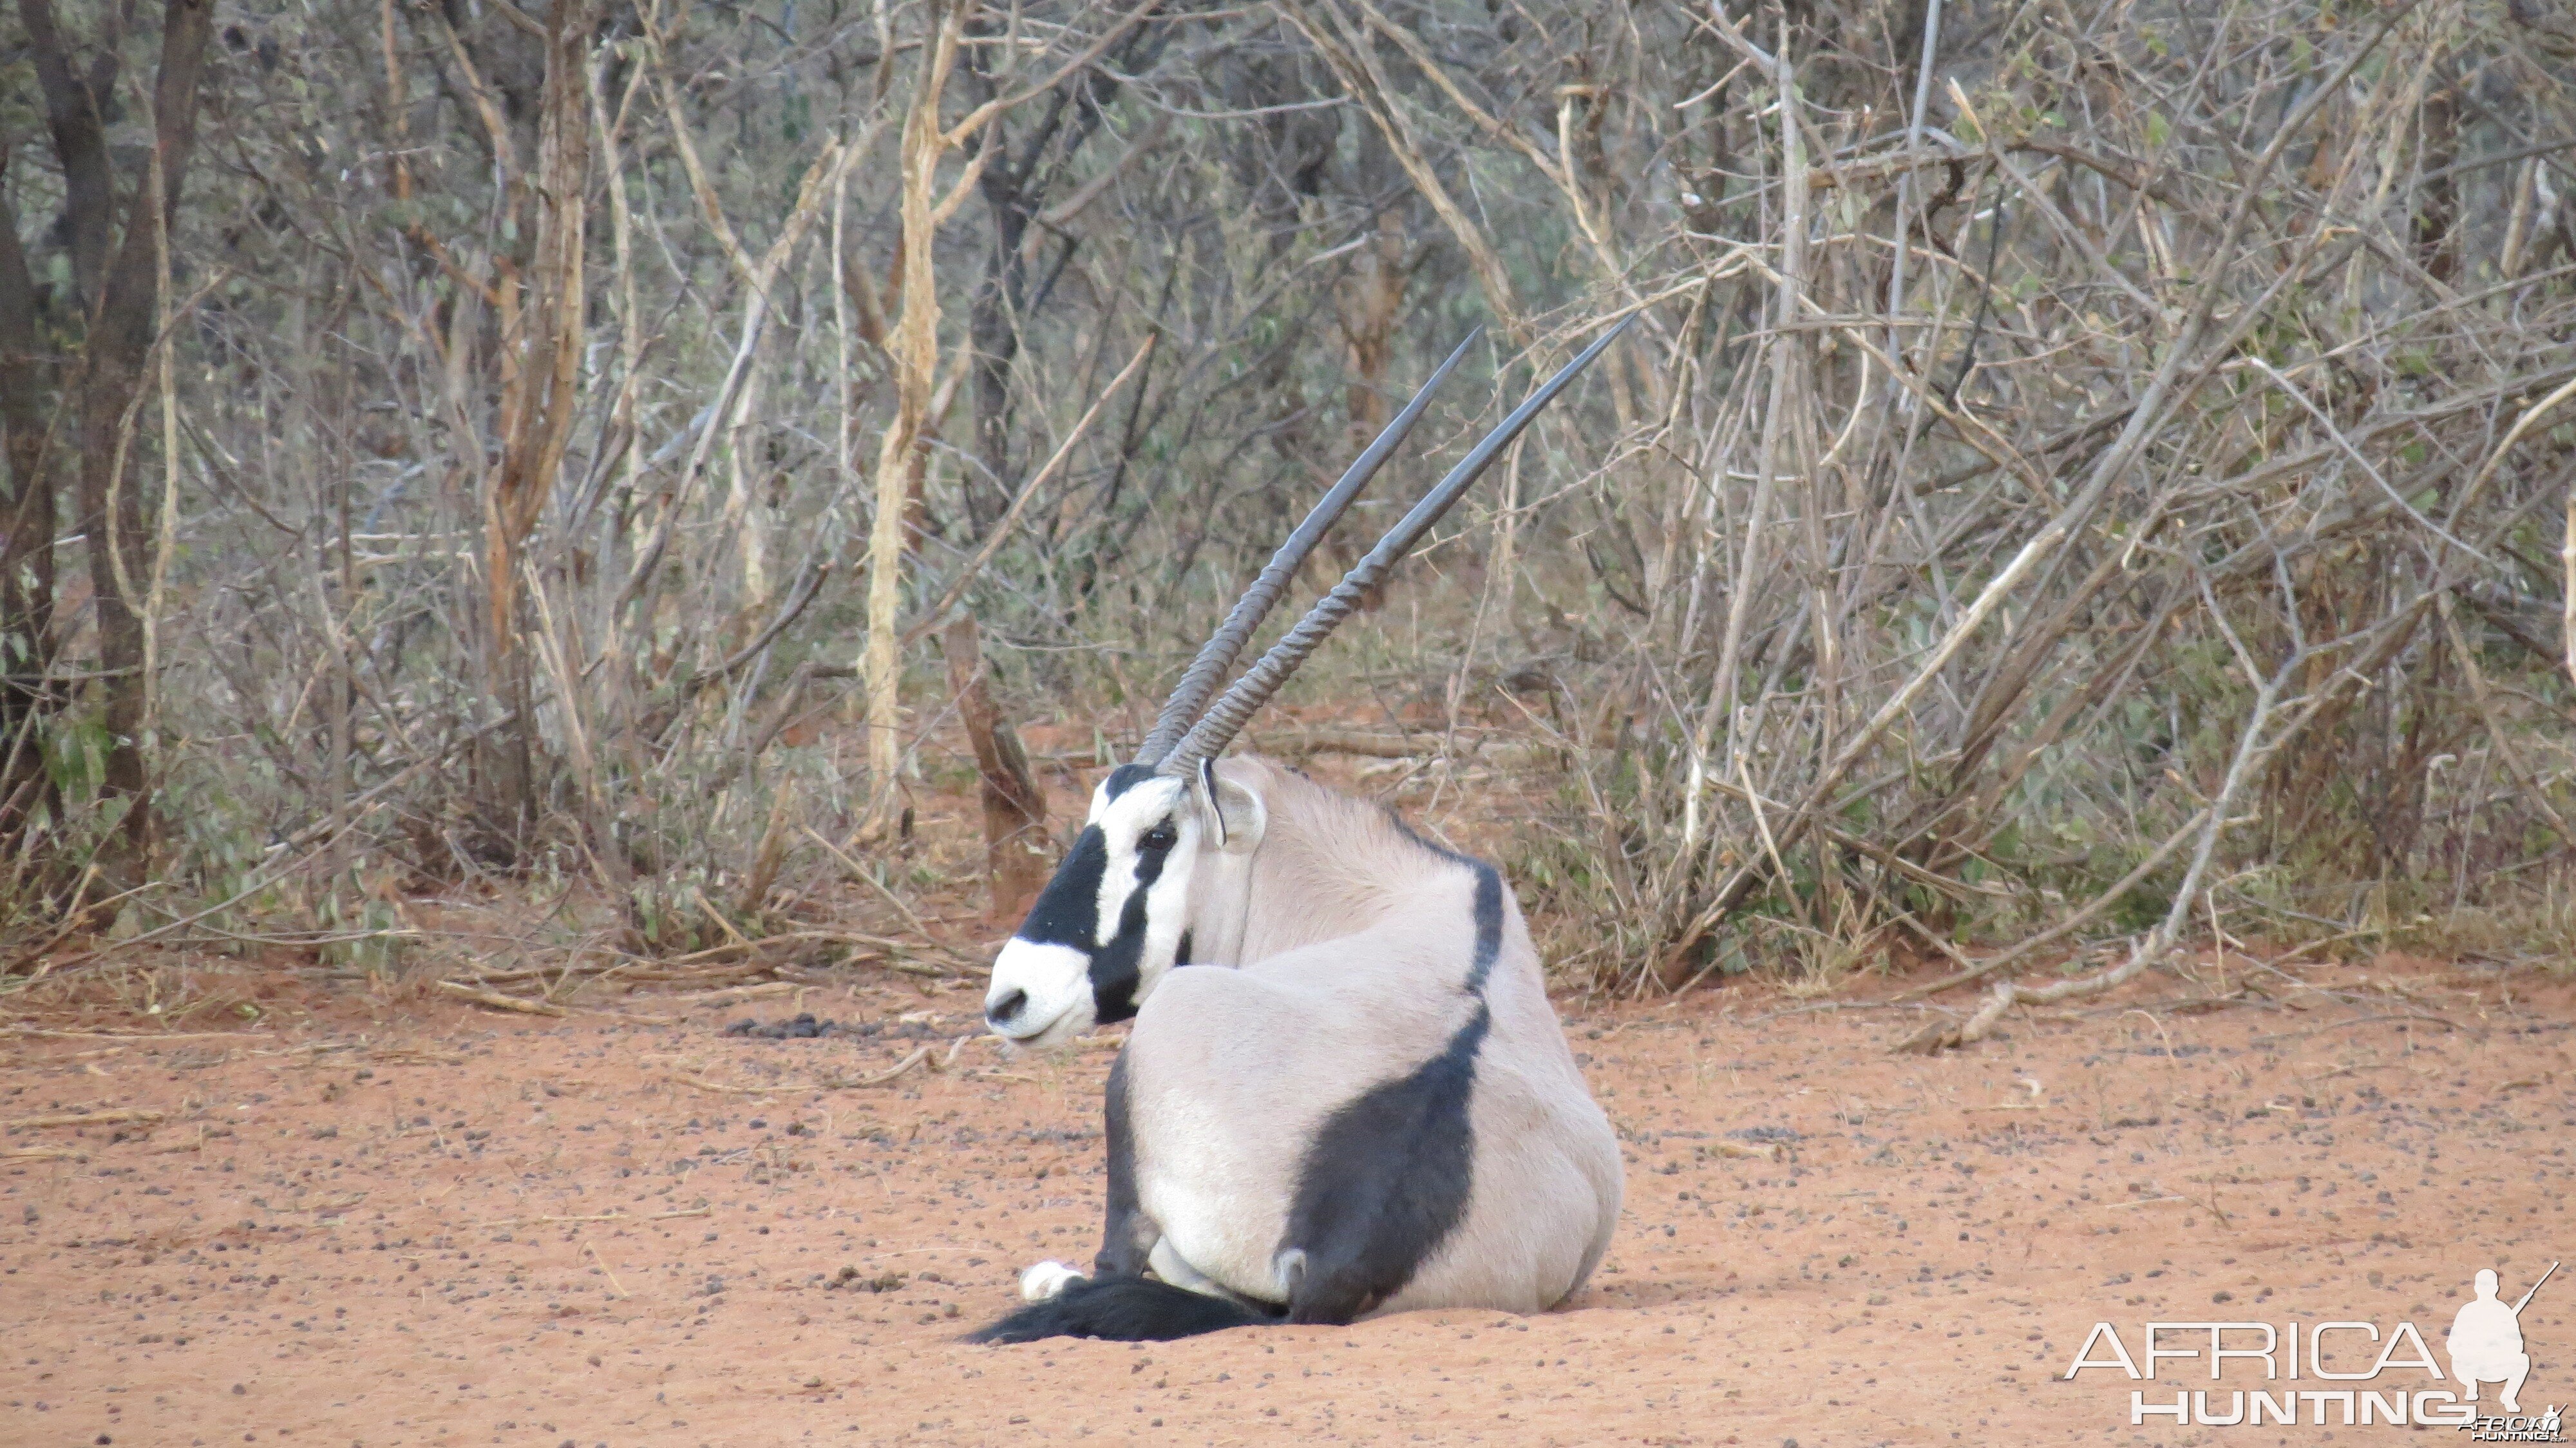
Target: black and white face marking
x=1111 y=921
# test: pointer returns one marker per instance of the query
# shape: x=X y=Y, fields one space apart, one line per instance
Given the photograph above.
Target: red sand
x=391 y=1224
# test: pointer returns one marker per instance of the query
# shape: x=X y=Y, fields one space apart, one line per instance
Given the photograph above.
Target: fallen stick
x=91 y=1118
x=709 y=975
x=614 y=1285
x=724 y=1090
x=918 y=1056
x=921 y=1058
x=731 y=946
x=494 y=1000
x=729 y=994
x=42 y=1153
x=135 y=1035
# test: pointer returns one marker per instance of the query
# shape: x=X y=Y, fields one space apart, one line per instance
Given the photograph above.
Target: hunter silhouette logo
x=2486 y=1340
x=2486 y=1347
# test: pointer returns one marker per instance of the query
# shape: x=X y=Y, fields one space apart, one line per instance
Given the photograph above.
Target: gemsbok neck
x=1371 y=866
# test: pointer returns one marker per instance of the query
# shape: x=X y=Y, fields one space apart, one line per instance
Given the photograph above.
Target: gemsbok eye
x=1161 y=837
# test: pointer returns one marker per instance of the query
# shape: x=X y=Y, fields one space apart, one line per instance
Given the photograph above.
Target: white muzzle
x=1041 y=994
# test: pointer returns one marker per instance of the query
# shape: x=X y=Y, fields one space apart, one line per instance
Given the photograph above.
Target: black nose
x=1001 y=1011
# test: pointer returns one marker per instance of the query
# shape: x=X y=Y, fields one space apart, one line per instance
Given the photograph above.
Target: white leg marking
x=1045 y=1280
x=1287 y=1270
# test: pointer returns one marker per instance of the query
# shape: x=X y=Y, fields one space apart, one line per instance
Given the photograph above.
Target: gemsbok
x=1357 y=1098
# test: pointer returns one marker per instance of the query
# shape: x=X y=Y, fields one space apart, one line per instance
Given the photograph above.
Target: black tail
x=1121 y=1309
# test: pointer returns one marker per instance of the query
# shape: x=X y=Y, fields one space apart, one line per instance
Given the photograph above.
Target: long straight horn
x=1221 y=723
x=1218 y=654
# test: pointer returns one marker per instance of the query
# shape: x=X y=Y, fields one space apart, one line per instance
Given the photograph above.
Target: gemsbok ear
x=1236 y=813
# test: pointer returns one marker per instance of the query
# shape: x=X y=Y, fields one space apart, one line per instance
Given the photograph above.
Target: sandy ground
x=377 y=1223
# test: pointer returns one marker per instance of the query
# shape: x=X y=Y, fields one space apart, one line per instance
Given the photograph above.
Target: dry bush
x=2092 y=476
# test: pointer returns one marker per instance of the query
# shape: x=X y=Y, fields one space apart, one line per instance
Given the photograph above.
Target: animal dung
x=803 y=1027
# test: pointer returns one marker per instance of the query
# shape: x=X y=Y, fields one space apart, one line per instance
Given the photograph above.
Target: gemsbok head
x=1134 y=896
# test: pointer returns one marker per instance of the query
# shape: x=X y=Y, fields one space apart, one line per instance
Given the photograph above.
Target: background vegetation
x=2086 y=476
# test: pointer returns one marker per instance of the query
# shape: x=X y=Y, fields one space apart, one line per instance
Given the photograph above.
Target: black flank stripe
x=1489 y=926
x=1387 y=1177
x=1488 y=907
x=1385 y=1182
